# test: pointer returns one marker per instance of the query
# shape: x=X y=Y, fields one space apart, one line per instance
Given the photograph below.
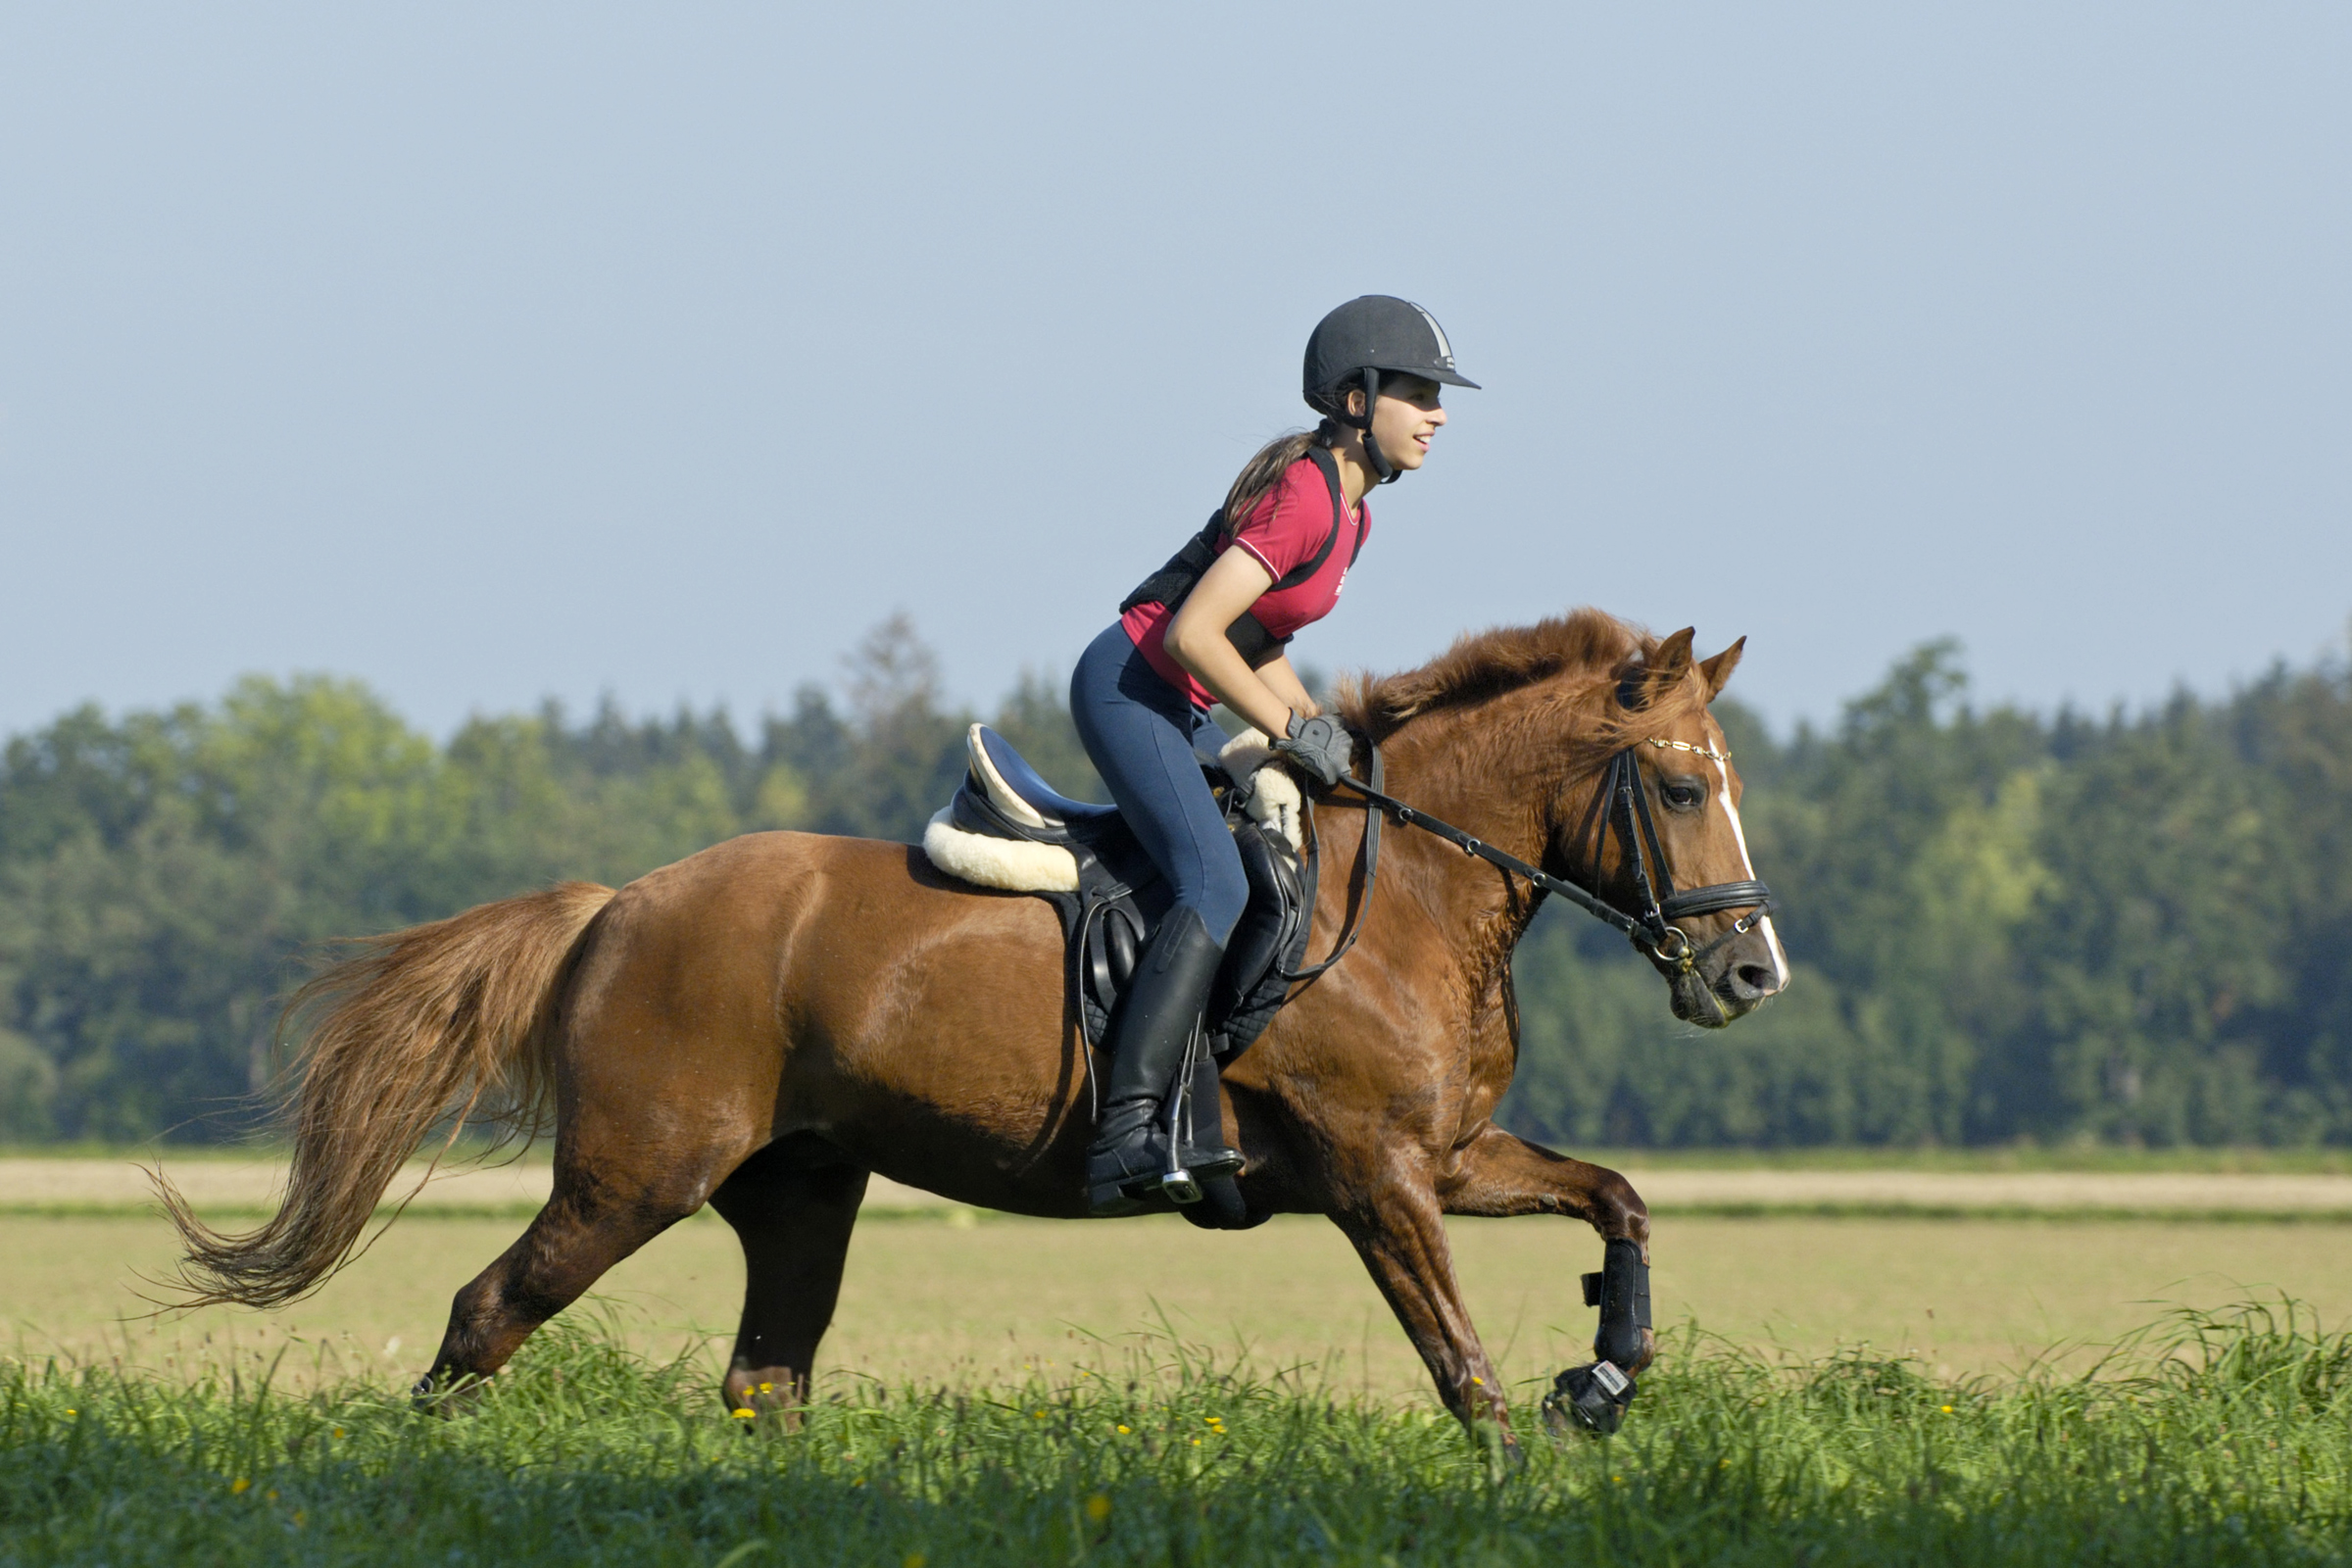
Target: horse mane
x=1506 y=659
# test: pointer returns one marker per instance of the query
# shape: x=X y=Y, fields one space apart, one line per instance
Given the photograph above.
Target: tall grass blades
x=2207 y=1439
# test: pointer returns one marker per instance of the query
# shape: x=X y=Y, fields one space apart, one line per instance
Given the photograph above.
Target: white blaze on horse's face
x=1747 y=868
x=1695 y=789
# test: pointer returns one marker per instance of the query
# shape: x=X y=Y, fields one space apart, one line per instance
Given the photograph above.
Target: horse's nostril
x=1756 y=979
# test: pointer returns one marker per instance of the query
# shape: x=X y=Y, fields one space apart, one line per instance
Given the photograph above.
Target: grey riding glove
x=1320 y=745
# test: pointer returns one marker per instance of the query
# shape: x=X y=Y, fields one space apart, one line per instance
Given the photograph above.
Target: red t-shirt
x=1284 y=530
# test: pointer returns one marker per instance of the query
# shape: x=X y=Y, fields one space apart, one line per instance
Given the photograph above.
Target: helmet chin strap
x=1384 y=471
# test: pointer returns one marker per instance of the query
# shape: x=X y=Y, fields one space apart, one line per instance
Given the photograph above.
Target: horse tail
x=455 y=1020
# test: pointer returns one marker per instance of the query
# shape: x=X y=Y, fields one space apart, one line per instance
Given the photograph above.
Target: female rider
x=1208 y=627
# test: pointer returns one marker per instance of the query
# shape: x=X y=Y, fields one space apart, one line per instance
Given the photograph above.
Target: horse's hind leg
x=591 y=1222
x=793 y=1221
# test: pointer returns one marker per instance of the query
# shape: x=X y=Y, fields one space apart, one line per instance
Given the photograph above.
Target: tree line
x=2004 y=926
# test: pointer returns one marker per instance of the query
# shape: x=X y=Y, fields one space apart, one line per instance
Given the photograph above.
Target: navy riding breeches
x=1139 y=731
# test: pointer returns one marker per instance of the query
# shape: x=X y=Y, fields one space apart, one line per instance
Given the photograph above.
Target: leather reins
x=1620 y=805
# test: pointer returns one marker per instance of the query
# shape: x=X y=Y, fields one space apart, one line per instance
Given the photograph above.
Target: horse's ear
x=1717 y=672
x=1671 y=667
x=1659 y=674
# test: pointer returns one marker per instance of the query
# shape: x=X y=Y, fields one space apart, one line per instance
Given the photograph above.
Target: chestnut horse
x=762 y=1025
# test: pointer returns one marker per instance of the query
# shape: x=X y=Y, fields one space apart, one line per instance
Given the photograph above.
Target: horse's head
x=1662 y=832
x=1605 y=733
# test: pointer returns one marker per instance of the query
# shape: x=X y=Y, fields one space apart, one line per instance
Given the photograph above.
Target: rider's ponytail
x=1265 y=471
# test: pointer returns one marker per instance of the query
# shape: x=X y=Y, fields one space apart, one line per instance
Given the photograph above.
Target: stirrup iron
x=1178 y=1184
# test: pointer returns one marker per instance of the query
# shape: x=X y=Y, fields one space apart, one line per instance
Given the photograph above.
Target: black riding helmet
x=1356 y=343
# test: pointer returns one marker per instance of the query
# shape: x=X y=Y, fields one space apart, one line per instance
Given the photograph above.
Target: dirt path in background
x=216 y=1184
x=1995 y=1192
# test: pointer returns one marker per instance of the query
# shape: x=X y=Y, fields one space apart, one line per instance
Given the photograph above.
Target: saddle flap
x=1267 y=930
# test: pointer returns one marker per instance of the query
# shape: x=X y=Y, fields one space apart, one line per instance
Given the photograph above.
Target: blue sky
x=494 y=352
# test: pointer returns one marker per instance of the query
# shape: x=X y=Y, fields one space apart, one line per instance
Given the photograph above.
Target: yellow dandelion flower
x=913 y=1560
x=1040 y=1414
x=1195 y=1443
x=338 y=1432
x=72 y=1412
x=272 y=1494
x=767 y=1388
x=1480 y=1382
x=1097 y=1507
x=743 y=1412
x=239 y=1486
x=1947 y=1409
x=1122 y=1431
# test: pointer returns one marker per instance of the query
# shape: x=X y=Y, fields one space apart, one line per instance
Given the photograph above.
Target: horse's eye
x=1683 y=794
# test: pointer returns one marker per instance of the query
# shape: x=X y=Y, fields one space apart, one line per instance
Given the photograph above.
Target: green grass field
x=2215 y=1441
x=972 y=1396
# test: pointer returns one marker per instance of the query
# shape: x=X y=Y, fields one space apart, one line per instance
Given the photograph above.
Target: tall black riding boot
x=1129 y=1158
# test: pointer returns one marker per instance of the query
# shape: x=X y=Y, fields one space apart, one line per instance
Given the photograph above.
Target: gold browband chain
x=1707 y=751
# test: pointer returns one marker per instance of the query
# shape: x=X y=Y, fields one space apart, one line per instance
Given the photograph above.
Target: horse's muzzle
x=1729 y=983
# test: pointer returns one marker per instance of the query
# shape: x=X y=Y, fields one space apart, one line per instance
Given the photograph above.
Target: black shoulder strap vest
x=1173 y=583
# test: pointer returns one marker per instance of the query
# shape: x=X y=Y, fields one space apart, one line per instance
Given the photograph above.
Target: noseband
x=1627 y=811
x=1620 y=805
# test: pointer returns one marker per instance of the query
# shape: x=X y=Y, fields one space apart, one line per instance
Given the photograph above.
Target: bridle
x=1652 y=927
x=1620 y=805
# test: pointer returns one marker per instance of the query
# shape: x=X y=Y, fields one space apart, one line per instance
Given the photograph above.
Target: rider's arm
x=1284 y=682
x=1197 y=640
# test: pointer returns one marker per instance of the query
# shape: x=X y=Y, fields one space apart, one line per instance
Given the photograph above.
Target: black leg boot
x=1205 y=1152
x=1129 y=1156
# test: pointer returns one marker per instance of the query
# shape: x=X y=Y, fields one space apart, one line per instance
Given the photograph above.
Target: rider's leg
x=1139 y=731
x=1129 y=1156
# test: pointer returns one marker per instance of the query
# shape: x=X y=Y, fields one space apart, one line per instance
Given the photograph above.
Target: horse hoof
x=1591 y=1399
x=448 y=1397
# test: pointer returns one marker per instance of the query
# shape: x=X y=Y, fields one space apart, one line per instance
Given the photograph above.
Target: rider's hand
x=1320 y=745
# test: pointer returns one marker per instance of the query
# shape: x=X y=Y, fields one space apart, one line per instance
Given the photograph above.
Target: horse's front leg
x=1499 y=1175
x=1399 y=1231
